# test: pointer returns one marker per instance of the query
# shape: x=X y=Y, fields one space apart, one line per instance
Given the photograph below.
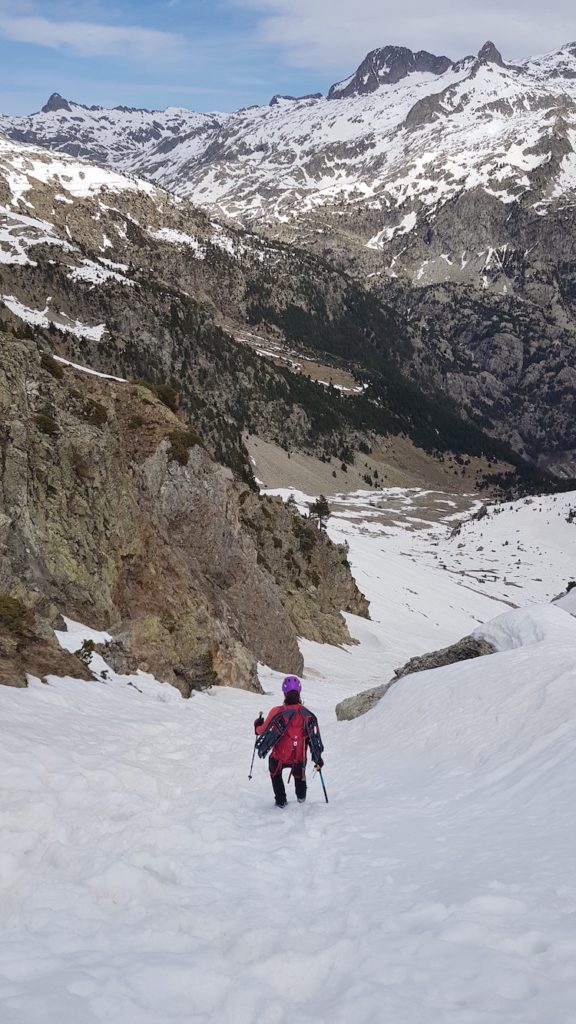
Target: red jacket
x=291 y=747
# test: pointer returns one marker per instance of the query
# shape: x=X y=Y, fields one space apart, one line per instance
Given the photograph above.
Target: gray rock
x=354 y=707
x=386 y=66
x=463 y=650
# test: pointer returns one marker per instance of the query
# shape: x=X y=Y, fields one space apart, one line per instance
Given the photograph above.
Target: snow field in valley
x=145 y=880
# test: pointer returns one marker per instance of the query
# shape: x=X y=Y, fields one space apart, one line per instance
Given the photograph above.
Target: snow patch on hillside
x=93 y=273
x=18 y=233
x=76 y=178
x=40 y=318
x=93 y=373
x=529 y=627
x=180 y=238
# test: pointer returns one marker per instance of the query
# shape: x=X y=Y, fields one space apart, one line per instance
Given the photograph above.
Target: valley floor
x=393 y=462
x=145 y=880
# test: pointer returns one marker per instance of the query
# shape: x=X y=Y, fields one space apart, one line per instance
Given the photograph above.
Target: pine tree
x=320 y=511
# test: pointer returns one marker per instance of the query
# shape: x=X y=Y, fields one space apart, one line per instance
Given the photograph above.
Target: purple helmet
x=291 y=683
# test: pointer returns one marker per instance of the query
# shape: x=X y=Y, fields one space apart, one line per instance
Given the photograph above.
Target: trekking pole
x=253 y=756
x=319 y=770
x=254 y=751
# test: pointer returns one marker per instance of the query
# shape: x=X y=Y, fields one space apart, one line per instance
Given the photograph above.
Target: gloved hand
x=259 y=721
x=319 y=763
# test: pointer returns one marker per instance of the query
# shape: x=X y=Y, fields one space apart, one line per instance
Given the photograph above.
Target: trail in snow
x=144 y=880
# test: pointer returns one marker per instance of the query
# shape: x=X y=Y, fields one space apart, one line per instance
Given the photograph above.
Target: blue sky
x=224 y=54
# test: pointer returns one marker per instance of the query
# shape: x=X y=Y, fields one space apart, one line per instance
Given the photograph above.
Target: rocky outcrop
x=463 y=650
x=113 y=513
x=354 y=707
x=312 y=574
x=27 y=650
x=489 y=54
x=278 y=98
x=55 y=102
x=424 y=111
x=386 y=66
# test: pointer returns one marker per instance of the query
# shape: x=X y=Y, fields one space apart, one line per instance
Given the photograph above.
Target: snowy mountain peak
x=56 y=102
x=387 y=66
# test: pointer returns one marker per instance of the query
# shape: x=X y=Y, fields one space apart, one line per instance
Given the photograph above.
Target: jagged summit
x=56 y=102
x=386 y=66
x=490 y=54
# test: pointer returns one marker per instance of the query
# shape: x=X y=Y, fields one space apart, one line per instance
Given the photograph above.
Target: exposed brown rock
x=41 y=659
x=104 y=519
x=24 y=651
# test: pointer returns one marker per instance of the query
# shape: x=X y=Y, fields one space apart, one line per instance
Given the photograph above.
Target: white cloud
x=90 y=39
x=338 y=33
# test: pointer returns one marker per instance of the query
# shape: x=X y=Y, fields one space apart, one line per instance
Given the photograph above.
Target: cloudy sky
x=223 y=54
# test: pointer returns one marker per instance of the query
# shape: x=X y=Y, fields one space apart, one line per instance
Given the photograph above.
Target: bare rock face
x=279 y=98
x=468 y=647
x=55 y=102
x=312 y=574
x=112 y=512
x=386 y=66
x=490 y=54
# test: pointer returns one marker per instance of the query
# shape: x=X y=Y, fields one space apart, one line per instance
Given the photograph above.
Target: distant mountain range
x=402 y=136
x=444 y=189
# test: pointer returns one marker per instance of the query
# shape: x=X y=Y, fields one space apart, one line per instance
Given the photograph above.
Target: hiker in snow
x=288 y=731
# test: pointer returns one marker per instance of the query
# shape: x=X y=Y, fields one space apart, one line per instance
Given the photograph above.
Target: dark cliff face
x=56 y=102
x=490 y=54
x=386 y=66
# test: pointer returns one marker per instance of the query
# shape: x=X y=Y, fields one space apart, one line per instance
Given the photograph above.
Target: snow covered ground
x=145 y=880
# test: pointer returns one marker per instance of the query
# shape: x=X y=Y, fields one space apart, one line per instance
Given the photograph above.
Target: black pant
x=298 y=774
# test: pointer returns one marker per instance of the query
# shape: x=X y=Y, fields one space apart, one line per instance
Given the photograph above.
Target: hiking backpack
x=278 y=725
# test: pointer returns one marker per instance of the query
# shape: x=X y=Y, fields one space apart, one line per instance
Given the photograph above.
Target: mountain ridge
x=436 y=192
x=376 y=129
x=383 y=65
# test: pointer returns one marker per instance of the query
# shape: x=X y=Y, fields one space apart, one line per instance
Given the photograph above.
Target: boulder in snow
x=468 y=647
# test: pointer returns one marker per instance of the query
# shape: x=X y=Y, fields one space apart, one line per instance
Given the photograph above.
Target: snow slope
x=144 y=880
